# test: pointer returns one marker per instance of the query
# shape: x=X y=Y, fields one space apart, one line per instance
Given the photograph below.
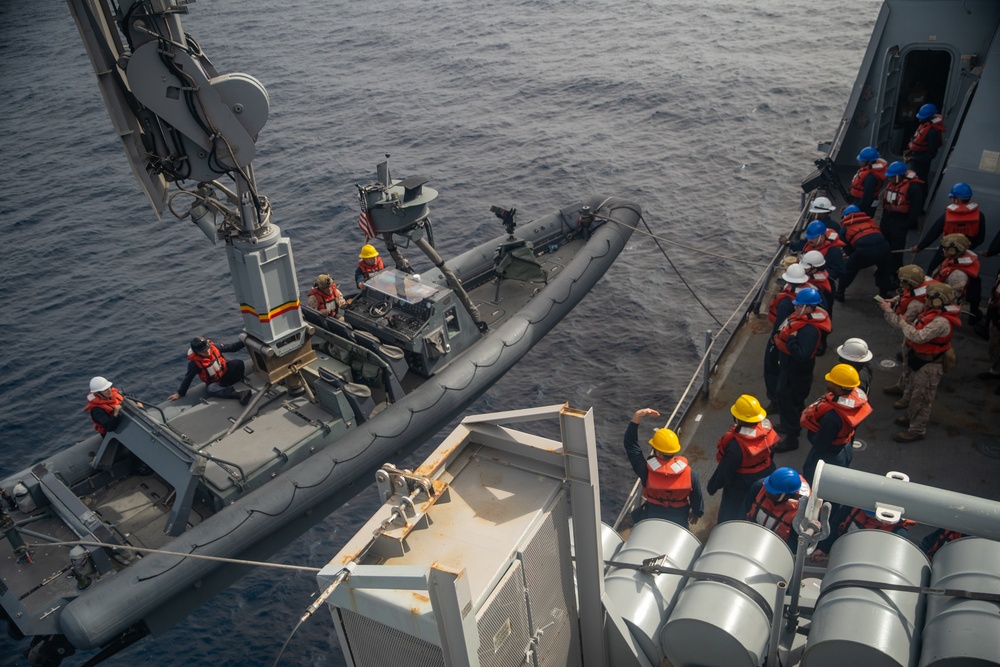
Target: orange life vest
x=212 y=367
x=324 y=299
x=819 y=318
x=943 y=538
x=857 y=226
x=967 y=263
x=831 y=239
x=668 y=482
x=776 y=516
x=858 y=519
x=755 y=445
x=106 y=404
x=820 y=279
x=787 y=292
x=897 y=195
x=940 y=344
x=919 y=142
x=918 y=294
x=852 y=408
x=961 y=219
x=367 y=270
x=878 y=168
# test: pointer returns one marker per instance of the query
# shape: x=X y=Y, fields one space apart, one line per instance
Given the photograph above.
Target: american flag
x=364 y=220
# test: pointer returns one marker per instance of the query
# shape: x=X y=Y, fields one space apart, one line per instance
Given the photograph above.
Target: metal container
x=644 y=600
x=715 y=624
x=611 y=541
x=866 y=626
x=960 y=632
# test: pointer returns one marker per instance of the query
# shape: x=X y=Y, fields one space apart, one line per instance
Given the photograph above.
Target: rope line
x=658 y=238
x=220 y=559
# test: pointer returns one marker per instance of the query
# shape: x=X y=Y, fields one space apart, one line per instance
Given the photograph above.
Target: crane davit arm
x=182 y=122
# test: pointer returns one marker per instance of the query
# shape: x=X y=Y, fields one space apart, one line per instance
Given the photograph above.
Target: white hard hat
x=99 y=384
x=854 y=349
x=795 y=274
x=813 y=259
x=821 y=205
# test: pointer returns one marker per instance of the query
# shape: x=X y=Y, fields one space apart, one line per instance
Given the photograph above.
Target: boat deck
x=961 y=451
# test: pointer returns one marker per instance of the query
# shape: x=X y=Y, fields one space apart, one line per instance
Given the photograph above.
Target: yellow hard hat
x=664 y=440
x=368 y=251
x=843 y=375
x=747 y=409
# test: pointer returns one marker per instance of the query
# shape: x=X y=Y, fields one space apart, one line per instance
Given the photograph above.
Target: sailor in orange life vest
x=928 y=343
x=780 y=308
x=670 y=488
x=848 y=519
x=867 y=182
x=773 y=502
x=104 y=404
x=744 y=456
x=832 y=420
x=369 y=265
x=937 y=539
x=902 y=202
x=961 y=216
x=798 y=340
x=325 y=297
x=866 y=247
x=218 y=373
x=926 y=141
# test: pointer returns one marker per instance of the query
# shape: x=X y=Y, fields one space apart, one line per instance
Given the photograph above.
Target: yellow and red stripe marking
x=247 y=309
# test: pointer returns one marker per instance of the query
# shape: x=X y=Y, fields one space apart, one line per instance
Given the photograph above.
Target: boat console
x=425 y=319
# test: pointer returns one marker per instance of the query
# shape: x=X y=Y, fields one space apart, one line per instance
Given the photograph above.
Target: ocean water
x=707 y=114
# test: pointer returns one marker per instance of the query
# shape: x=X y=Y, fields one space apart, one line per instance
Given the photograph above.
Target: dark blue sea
x=707 y=114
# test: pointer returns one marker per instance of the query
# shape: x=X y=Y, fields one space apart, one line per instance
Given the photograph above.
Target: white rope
x=234 y=561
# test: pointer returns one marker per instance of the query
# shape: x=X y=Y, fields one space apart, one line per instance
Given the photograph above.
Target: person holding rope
x=798 y=340
x=743 y=455
x=902 y=202
x=866 y=246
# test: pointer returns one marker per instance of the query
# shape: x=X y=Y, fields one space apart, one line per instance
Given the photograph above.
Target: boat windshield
x=402 y=286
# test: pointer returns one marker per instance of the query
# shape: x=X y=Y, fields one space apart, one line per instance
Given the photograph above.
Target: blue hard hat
x=897 y=168
x=869 y=154
x=851 y=209
x=809 y=296
x=783 y=480
x=926 y=112
x=961 y=191
x=815 y=229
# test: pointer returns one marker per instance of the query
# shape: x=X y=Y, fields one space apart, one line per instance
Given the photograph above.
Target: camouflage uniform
x=921 y=385
x=913 y=309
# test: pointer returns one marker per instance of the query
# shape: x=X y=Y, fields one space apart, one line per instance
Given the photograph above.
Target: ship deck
x=961 y=451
